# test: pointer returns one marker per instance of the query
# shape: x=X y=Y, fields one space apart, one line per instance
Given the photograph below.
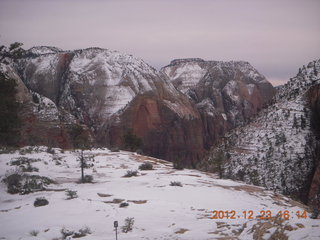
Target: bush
x=87 y=179
x=25 y=164
x=71 y=194
x=175 y=183
x=131 y=141
x=66 y=233
x=131 y=173
x=178 y=165
x=41 y=201
x=23 y=160
x=50 y=150
x=114 y=149
x=13 y=181
x=18 y=182
x=128 y=225
x=34 y=233
x=146 y=166
x=124 y=204
x=29 y=168
x=82 y=232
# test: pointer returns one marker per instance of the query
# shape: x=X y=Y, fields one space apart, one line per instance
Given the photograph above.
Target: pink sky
x=275 y=36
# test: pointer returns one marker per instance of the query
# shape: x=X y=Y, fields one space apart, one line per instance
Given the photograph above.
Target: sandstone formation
x=111 y=93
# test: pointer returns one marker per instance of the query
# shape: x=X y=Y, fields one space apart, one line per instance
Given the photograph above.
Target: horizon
x=276 y=38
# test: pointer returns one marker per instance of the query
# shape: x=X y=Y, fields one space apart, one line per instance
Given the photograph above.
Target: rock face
x=235 y=90
x=225 y=93
x=43 y=123
x=112 y=93
x=279 y=148
x=314 y=101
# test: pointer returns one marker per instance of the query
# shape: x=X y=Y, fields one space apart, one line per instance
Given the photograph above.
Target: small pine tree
x=81 y=141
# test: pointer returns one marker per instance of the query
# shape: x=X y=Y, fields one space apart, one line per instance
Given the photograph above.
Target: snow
x=167 y=209
x=189 y=73
x=44 y=50
x=117 y=78
x=250 y=88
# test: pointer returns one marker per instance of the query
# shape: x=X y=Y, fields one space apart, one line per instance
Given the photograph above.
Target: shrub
x=82 y=232
x=66 y=233
x=18 y=182
x=23 y=160
x=29 y=168
x=34 y=183
x=131 y=173
x=132 y=142
x=114 y=149
x=41 y=201
x=146 y=166
x=34 y=233
x=87 y=179
x=128 y=225
x=71 y=194
x=124 y=204
x=13 y=181
x=175 y=183
x=177 y=164
x=25 y=164
x=50 y=150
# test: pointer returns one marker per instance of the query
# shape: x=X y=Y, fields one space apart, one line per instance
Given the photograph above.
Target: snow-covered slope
x=160 y=211
x=43 y=50
x=277 y=148
x=91 y=83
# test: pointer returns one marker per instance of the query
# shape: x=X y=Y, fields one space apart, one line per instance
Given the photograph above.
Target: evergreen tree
x=131 y=141
x=9 y=108
x=14 y=52
x=80 y=140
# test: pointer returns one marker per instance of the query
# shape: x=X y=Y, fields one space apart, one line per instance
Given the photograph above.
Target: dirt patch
x=60 y=180
x=138 y=201
x=300 y=225
x=141 y=158
x=283 y=201
x=104 y=195
x=181 y=231
x=115 y=201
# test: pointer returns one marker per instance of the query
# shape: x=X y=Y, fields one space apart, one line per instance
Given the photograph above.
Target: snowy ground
x=160 y=211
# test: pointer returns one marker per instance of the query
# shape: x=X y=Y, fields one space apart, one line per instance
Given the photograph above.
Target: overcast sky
x=275 y=36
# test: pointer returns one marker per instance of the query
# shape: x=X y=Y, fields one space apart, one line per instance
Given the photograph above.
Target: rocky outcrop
x=169 y=130
x=234 y=90
x=314 y=101
x=42 y=122
x=279 y=148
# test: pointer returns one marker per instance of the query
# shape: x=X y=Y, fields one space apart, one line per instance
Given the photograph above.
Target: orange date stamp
x=263 y=214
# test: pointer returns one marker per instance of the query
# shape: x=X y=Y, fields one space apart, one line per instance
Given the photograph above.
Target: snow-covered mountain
x=92 y=83
x=158 y=207
x=111 y=92
x=279 y=148
x=234 y=90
